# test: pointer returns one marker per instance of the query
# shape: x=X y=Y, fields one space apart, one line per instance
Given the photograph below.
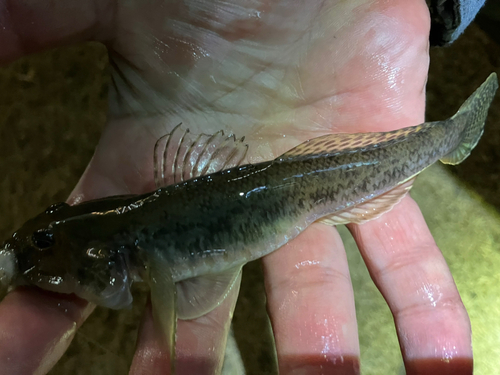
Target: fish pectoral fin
x=180 y=155
x=371 y=209
x=200 y=295
x=163 y=300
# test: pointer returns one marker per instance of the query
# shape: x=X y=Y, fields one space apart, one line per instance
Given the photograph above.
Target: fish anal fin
x=181 y=155
x=199 y=295
x=331 y=144
x=163 y=301
x=371 y=209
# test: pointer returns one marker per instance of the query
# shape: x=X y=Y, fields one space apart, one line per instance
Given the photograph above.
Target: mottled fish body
x=210 y=216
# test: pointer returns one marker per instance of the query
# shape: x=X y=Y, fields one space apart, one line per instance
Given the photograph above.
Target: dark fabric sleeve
x=449 y=18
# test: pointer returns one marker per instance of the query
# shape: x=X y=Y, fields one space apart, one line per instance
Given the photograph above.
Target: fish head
x=56 y=253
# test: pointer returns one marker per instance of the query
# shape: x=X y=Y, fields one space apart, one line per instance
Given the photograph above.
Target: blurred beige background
x=53 y=108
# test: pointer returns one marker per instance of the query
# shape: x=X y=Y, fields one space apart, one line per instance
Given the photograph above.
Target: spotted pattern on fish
x=344 y=142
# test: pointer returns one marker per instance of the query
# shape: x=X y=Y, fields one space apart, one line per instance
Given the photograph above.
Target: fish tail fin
x=471 y=118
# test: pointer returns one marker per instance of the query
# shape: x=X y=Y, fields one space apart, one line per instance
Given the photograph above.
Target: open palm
x=278 y=72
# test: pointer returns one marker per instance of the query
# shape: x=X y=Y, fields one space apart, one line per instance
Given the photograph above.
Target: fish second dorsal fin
x=331 y=144
x=181 y=155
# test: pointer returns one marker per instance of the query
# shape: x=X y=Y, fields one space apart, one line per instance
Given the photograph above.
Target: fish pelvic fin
x=471 y=117
x=164 y=305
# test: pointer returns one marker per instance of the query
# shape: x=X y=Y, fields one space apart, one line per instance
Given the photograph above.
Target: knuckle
x=401 y=261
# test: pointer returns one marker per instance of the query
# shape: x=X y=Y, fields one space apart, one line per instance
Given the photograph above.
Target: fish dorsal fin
x=369 y=210
x=200 y=295
x=181 y=155
x=331 y=144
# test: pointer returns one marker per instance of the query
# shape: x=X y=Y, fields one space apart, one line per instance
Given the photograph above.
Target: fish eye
x=43 y=239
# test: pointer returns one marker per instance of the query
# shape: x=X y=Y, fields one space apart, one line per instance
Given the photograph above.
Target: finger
x=200 y=345
x=311 y=304
x=36 y=328
x=33 y=25
x=410 y=271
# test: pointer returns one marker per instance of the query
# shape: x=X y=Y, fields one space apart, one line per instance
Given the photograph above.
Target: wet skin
x=307 y=84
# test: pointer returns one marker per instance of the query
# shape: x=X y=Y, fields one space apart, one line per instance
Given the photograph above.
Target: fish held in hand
x=210 y=215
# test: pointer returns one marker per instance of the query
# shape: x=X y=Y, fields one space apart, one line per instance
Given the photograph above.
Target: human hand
x=300 y=69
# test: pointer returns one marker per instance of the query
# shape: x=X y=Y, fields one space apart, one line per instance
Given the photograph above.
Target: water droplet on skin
x=431 y=293
x=449 y=353
x=65 y=309
x=307 y=263
x=77 y=199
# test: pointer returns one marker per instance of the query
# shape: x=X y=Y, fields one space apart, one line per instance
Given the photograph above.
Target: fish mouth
x=8 y=270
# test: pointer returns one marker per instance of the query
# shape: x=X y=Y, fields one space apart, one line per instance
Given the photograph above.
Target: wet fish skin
x=192 y=238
